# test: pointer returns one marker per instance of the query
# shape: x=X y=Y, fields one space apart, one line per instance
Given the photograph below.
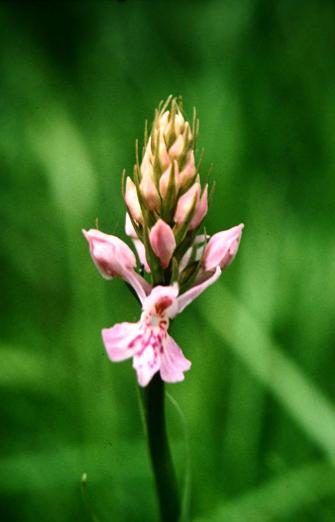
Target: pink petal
x=146 y=363
x=191 y=294
x=163 y=242
x=120 y=340
x=163 y=298
x=113 y=258
x=110 y=255
x=139 y=284
x=222 y=248
x=173 y=362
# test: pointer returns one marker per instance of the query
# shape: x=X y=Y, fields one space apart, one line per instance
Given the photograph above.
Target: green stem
x=153 y=398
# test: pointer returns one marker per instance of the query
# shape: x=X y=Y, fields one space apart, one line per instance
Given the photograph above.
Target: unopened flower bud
x=186 y=202
x=189 y=170
x=166 y=179
x=179 y=123
x=147 y=158
x=163 y=242
x=164 y=158
x=221 y=248
x=177 y=148
x=163 y=120
x=148 y=188
x=132 y=202
x=200 y=211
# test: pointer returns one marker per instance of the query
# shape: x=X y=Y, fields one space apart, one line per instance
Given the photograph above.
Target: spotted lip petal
x=147 y=341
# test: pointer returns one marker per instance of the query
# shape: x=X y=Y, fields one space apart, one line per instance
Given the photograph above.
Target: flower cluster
x=166 y=206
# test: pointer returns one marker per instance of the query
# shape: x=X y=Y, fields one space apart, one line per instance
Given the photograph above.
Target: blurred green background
x=77 y=82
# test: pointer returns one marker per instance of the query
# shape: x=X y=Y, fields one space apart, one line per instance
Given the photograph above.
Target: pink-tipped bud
x=111 y=256
x=163 y=242
x=163 y=120
x=132 y=202
x=165 y=179
x=148 y=188
x=164 y=158
x=147 y=158
x=186 y=202
x=177 y=148
x=201 y=210
x=179 y=123
x=222 y=248
x=189 y=169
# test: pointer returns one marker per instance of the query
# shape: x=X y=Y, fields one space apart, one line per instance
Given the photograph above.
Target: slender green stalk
x=153 y=398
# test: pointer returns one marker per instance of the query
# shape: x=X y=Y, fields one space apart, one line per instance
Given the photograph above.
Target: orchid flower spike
x=166 y=205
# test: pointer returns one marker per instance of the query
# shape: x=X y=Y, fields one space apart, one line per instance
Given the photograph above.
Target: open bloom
x=113 y=258
x=148 y=341
x=222 y=248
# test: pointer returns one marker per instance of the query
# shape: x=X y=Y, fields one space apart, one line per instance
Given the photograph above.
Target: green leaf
x=248 y=338
x=280 y=497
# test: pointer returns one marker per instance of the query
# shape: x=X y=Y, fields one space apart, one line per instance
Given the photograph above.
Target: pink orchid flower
x=222 y=248
x=113 y=258
x=148 y=341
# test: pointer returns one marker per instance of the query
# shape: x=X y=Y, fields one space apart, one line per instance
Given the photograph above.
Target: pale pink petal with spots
x=173 y=362
x=163 y=299
x=121 y=340
x=146 y=363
